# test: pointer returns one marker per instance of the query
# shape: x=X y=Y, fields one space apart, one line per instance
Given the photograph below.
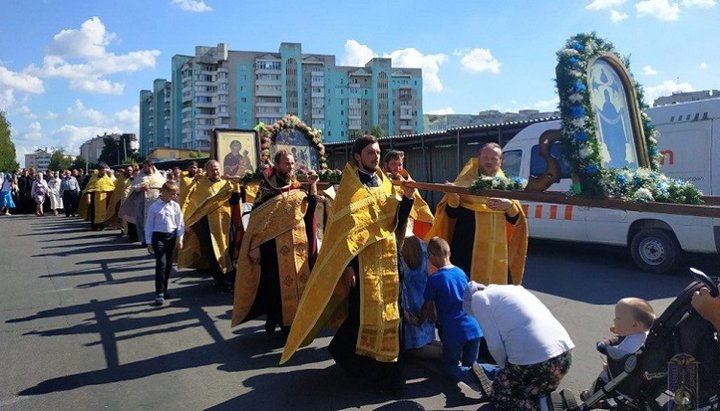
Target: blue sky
x=72 y=69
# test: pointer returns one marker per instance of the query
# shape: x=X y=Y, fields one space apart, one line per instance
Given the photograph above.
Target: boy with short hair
x=459 y=332
x=164 y=227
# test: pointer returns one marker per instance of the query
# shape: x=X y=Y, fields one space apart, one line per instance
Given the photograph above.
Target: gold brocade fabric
x=279 y=218
x=362 y=223
x=497 y=245
x=84 y=202
x=118 y=194
x=207 y=199
x=185 y=184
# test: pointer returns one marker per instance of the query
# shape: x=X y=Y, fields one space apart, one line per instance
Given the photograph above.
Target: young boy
x=633 y=319
x=164 y=226
x=460 y=332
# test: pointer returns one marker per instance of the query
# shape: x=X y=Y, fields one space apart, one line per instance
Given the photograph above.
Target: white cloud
x=666 y=88
x=617 y=16
x=89 y=41
x=27 y=113
x=702 y=4
x=7 y=98
x=80 y=56
x=604 y=4
x=703 y=66
x=21 y=81
x=356 y=54
x=441 y=111
x=72 y=136
x=550 y=104
x=649 y=71
x=78 y=110
x=480 y=60
x=429 y=63
x=51 y=116
x=197 y=6
x=660 y=9
x=128 y=120
x=33 y=132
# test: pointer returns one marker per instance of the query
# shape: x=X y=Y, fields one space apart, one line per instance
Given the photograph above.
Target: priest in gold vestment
x=355 y=281
x=488 y=236
x=277 y=249
x=206 y=210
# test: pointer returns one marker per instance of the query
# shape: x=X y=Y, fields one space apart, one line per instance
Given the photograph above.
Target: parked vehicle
x=689 y=138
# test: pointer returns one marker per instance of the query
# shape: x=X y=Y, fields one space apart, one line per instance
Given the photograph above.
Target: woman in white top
x=530 y=346
x=56 y=202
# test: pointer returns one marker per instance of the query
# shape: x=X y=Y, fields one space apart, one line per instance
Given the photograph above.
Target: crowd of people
x=367 y=258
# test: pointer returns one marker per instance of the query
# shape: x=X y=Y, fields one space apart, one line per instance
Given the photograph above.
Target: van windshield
x=511 y=163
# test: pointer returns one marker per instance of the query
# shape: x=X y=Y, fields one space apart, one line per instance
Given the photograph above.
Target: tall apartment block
x=219 y=88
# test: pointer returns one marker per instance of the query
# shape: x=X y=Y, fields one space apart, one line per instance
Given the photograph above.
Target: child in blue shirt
x=459 y=332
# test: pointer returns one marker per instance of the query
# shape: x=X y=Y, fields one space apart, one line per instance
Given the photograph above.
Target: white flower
x=569 y=52
x=585 y=151
x=578 y=122
x=643 y=194
x=575 y=97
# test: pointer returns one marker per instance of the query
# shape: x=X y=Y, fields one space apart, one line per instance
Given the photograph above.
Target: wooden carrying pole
x=710 y=209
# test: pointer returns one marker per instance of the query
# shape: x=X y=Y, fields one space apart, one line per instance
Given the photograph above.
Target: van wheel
x=655 y=250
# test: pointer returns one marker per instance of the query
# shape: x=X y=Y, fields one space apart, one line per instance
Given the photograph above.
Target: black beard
x=191 y=175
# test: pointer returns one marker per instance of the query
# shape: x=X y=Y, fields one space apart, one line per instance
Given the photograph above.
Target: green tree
x=197 y=154
x=377 y=131
x=59 y=160
x=79 y=162
x=7 y=148
x=111 y=152
x=355 y=134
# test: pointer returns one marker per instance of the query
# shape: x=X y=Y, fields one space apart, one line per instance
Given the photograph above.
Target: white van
x=690 y=140
x=656 y=241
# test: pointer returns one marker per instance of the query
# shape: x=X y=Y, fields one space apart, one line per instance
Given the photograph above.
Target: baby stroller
x=638 y=380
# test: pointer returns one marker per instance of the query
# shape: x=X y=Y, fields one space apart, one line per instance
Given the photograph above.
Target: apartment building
x=220 y=88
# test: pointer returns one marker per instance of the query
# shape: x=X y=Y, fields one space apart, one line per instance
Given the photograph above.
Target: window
x=511 y=163
x=538 y=165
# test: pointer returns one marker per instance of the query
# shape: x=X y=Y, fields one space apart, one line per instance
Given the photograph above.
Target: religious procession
x=360 y=252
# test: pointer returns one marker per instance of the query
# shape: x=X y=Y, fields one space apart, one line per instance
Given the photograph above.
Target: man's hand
x=150 y=249
x=407 y=191
x=707 y=306
x=254 y=255
x=180 y=244
x=499 y=204
x=348 y=277
x=312 y=179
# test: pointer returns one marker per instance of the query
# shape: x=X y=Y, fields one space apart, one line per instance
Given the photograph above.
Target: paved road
x=77 y=330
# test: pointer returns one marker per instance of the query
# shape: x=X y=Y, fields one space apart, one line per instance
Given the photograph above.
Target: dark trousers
x=70 y=202
x=163 y=245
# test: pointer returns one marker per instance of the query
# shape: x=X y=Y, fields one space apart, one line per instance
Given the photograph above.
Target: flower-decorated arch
x=599 y=101
x=288 y=129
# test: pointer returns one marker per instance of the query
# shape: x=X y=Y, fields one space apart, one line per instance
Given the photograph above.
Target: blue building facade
x=221 y=88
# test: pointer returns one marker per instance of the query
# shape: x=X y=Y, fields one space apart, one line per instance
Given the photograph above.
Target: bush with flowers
x=580 y=128
x=498 y=183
